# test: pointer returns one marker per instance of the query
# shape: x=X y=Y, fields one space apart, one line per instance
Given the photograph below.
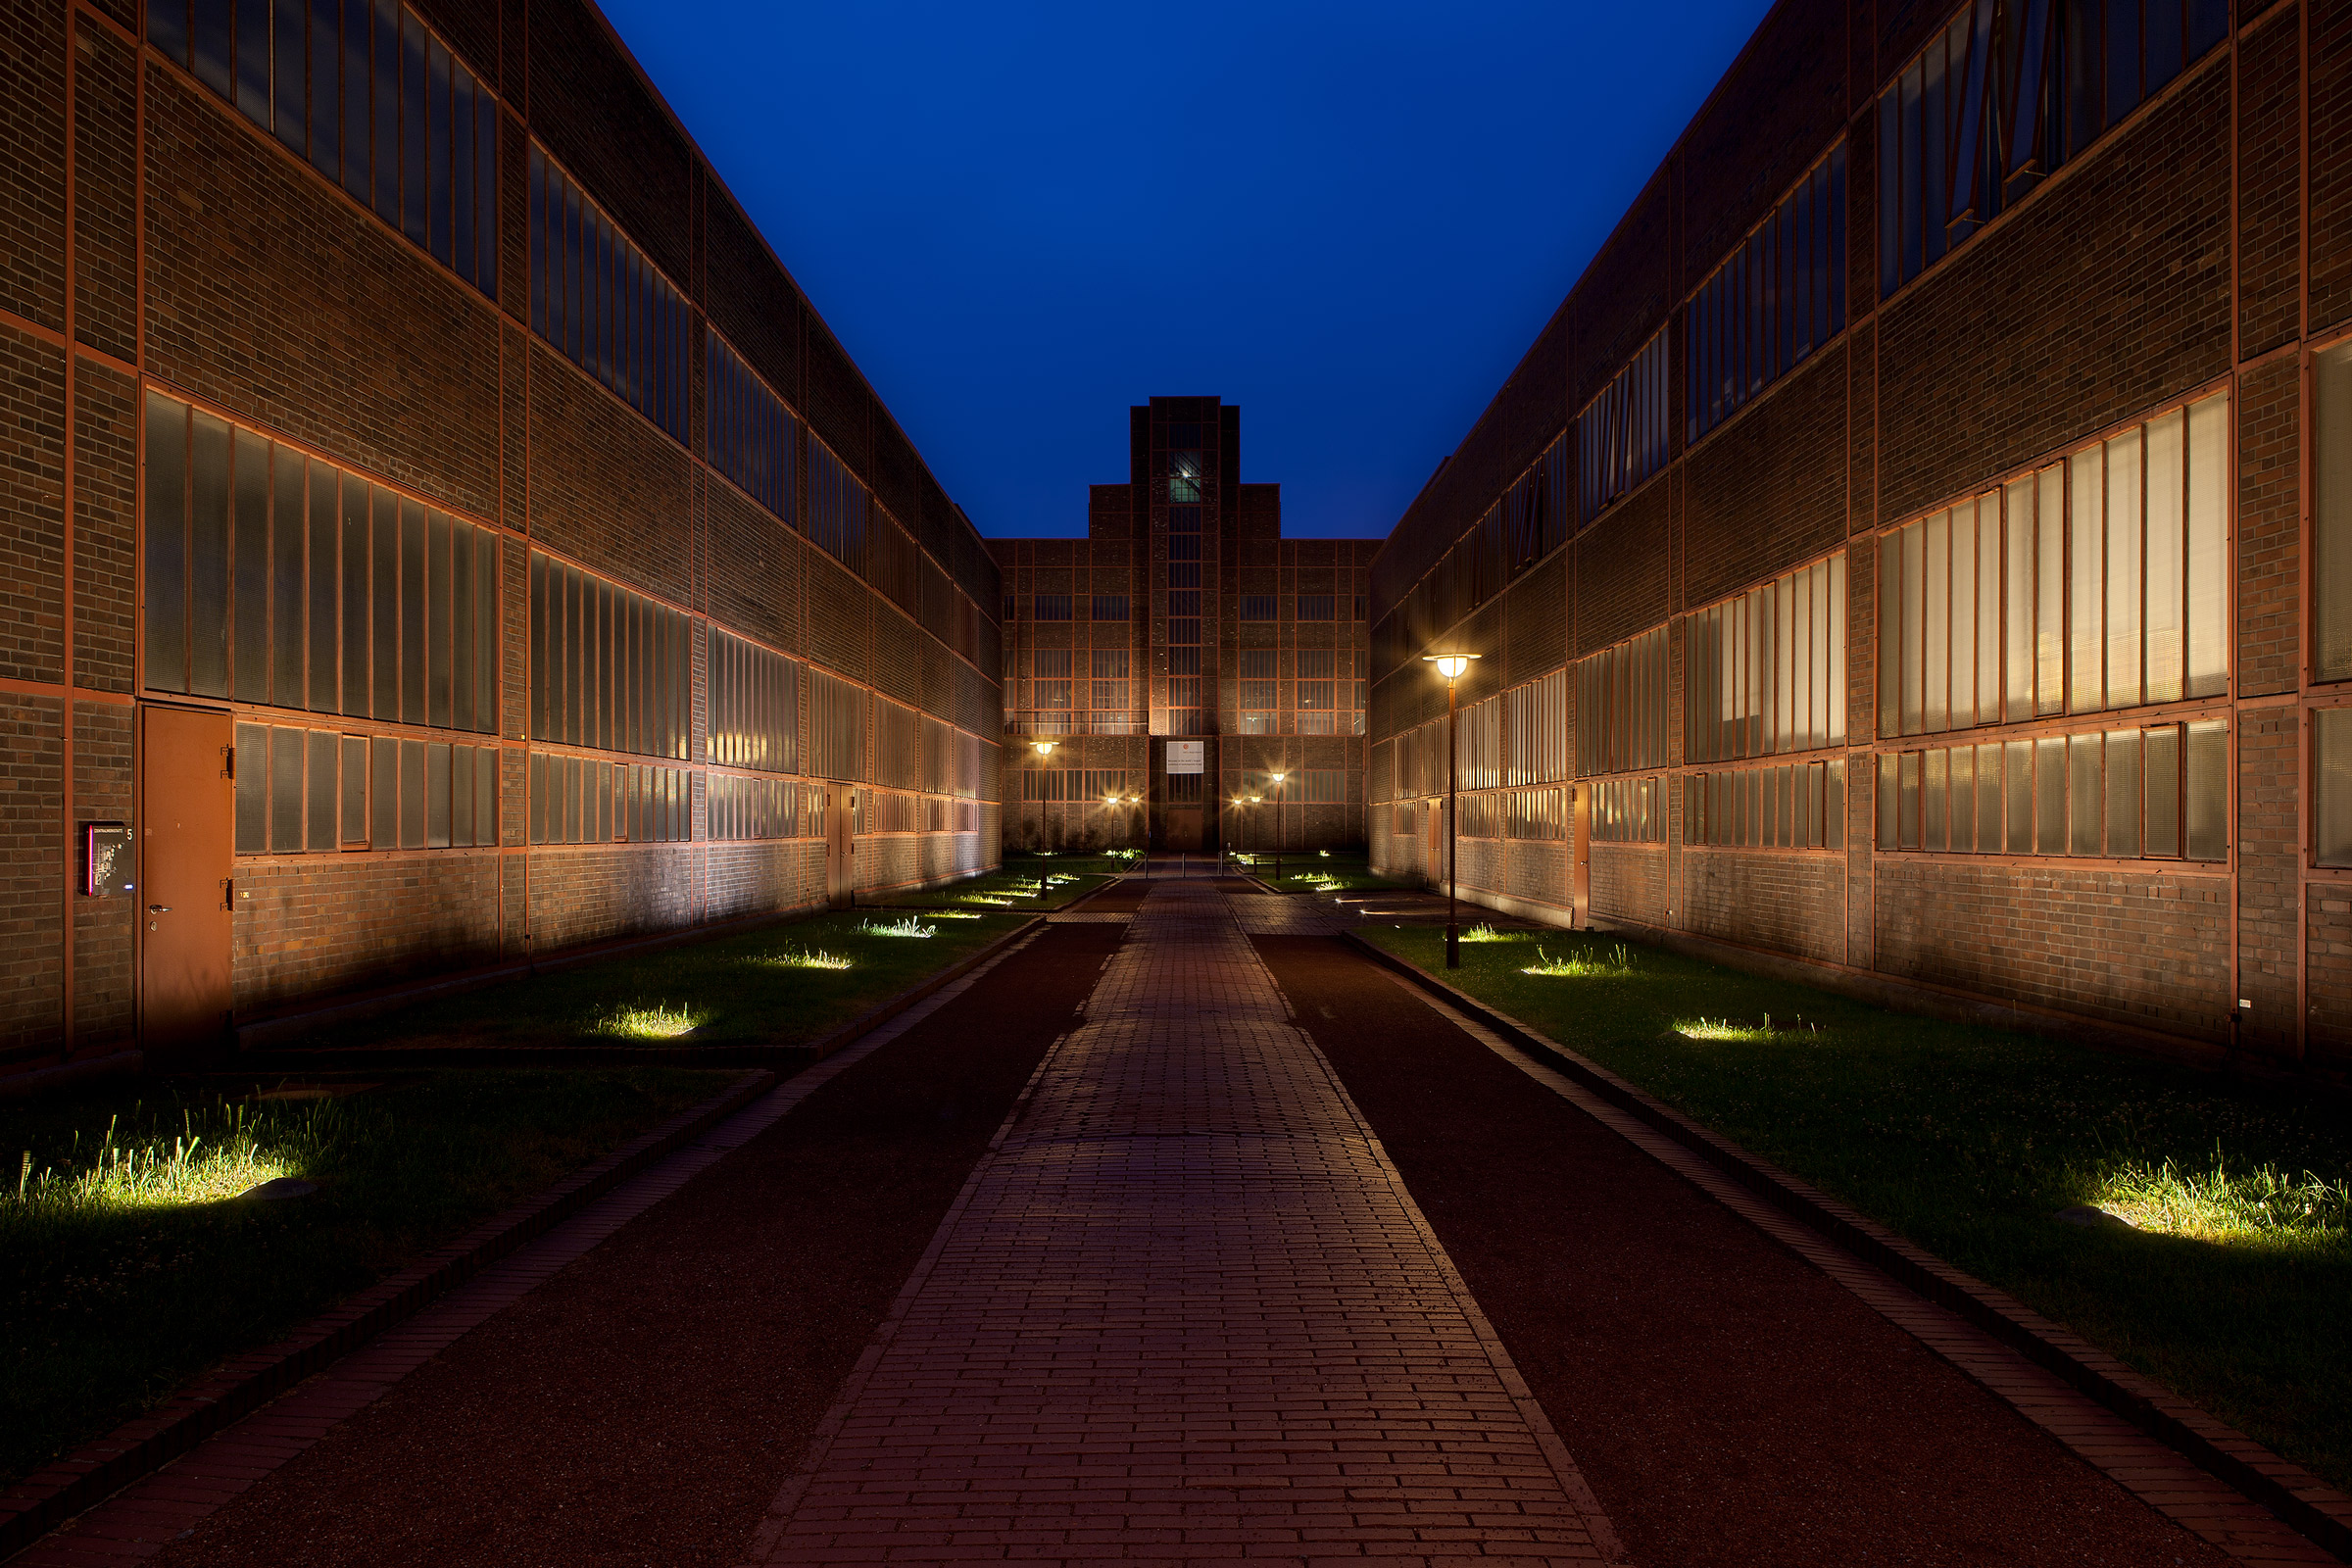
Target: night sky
x=1021 y=220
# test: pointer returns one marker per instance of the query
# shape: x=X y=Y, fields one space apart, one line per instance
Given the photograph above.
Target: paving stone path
x=1186 y=1308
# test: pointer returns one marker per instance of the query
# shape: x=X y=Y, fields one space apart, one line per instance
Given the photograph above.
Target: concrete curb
x=2299 y=1497
x=48 y=1497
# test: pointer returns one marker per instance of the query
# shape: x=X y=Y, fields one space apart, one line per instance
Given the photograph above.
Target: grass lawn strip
x=778 y=986
x=2232 y=1284
x=128 y=1263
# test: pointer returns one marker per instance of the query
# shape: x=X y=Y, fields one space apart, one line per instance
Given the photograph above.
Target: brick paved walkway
x=1186 y=1308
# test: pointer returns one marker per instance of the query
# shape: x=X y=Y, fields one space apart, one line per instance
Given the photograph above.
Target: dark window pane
x=572 y=800
x=208 y=561
x=2163 y=42
x=437 y=150
x=2208 y=24
x=385 y=611
x=460 y=795
x=167 y=28
x=436 y=795
x=289 y=583
x=538 y=792
x=253 y=60
x=460 y=170
x=213 y=23
x=320 y=835
x=326 y=103
x=286 y=790
x=412 y=126
x=167 y=545
x=461 y=634
x=2122 y=793
x=485 y=632
x=2207 y=781
x=327 y=534
x=383 y=791
x=384 y=91
x=411 y=613
x=485 y=195
x=412 y=795
x=355 y=595
x=569 y=290
x=355 y=790
x=288 y=76
x=252 y=764
x=2123 y=58
x=485 y=794
x=249 y=609
x=356 y=77
x=437 y=632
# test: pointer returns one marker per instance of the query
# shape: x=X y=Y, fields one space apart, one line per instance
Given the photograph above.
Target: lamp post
x=1451 y=666
x=1278 y=829
x=1044 y=750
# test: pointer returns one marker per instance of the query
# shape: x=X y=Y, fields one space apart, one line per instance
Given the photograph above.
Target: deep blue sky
x=1022 y=219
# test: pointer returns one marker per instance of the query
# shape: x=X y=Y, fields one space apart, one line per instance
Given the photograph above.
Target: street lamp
x=1451 y=666
x=1044 y=750
x=1278 y=830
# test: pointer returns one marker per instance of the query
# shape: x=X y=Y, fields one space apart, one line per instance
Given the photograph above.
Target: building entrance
x=187 y=818
x=841 y=847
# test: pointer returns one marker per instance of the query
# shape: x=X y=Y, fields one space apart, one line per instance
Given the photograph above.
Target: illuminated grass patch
x=1482 y=932
x=802 y=958
x=661 y=1021
x=1616 y=961
x=2262 y=1206
x=905 y=926
x=216 y=1152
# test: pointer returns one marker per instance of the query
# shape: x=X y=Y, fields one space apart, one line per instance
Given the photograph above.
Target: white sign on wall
x=1184 y=757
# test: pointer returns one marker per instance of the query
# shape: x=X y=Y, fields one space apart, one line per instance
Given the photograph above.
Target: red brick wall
x=1789 y=901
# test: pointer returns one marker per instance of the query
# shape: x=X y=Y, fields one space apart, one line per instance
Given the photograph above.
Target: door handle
x=158 y=909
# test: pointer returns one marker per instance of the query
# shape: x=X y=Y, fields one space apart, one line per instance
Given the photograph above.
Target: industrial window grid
x=1317 y=607
x=592 y=800
x=306 y=791
x=836 y=508
x=1110 y=607
x=1620 y=707
x=739 y=807
x=747 y=433
x=1780 y=295
x=897 y=745
x=1052 y=606
x=598 y=300
x=837 y=728
x=1797 y=806
x=1765 y=670
x=2002 y=96
x=1184 y=714
x=755 y=700
x=370 y=97
x=1261 y=606
x=610 y=669
x=1620 y=438
x=2096 y=582
x=2158 y=792
x=1629 y=811
x=279 y=579
x=1536 y=730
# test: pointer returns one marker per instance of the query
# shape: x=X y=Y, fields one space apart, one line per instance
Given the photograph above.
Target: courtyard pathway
x=1186 y=1305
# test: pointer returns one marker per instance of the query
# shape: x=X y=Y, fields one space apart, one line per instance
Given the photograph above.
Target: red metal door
x=187 y=820
x=1581 y=849
x=840 y=846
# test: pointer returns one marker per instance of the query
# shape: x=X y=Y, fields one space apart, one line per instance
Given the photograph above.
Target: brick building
x=1184 y=676
x=1920 y=545
x=437 y=529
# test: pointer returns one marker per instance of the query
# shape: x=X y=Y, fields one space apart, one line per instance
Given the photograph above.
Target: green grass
x=128 y=1263
x=1026 y=884
x=1322 y=871
x=782 y=985
x=2234 y=1283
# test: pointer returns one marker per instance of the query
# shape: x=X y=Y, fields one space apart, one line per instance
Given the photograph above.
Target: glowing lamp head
x=1276 y=777
x=1043 y=748
x=1450 y=665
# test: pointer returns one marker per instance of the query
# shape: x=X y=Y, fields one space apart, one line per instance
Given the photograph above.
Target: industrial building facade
x=1920 y=545
x=1184 y=677
x=437 y=530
